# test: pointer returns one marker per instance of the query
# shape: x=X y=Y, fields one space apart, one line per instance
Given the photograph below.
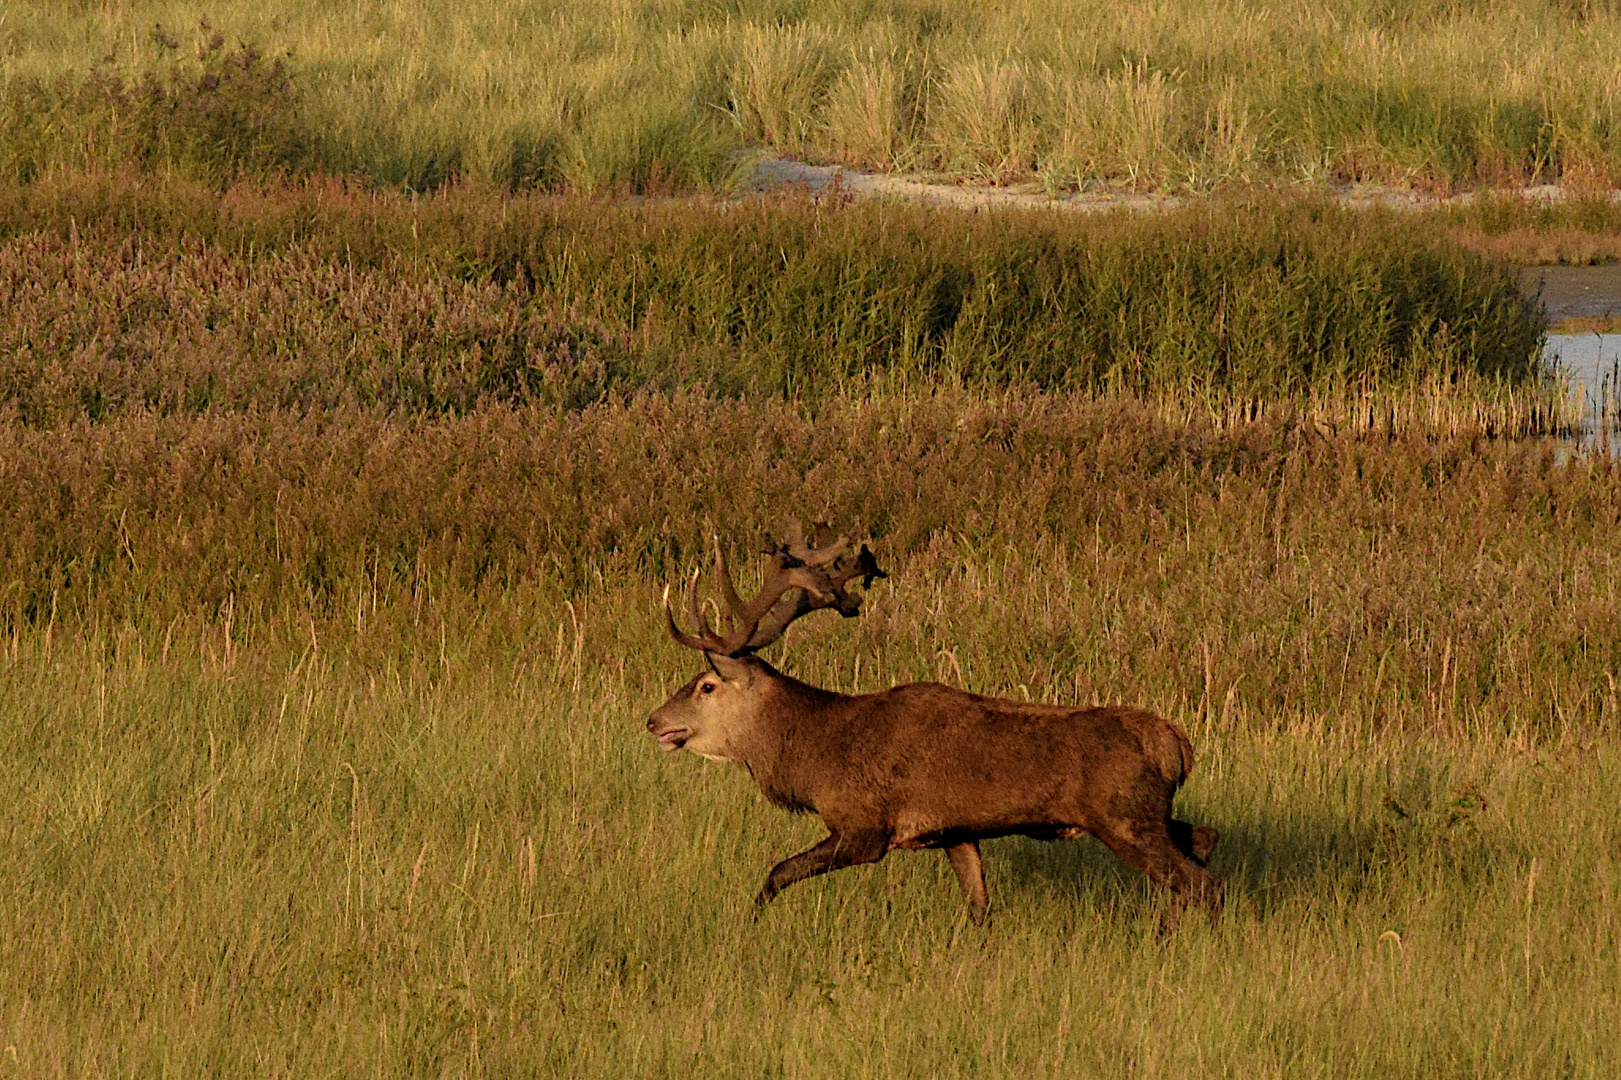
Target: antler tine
x=823 y=534
x=775 y=623
x=832 y=567
x=744 y=617
x=794 y=538
x=713 y=642
x=727 y=588
x=797 y=548
x=706 y=639
x=675 y=631
x=831 y=594
x=786 y=573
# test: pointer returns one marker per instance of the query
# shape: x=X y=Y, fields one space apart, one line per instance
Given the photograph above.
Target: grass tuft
x=221 y=114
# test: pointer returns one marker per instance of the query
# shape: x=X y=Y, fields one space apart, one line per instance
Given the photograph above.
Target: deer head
x=714 y=712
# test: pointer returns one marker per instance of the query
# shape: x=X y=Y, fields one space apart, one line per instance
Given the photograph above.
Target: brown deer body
x=924 y=765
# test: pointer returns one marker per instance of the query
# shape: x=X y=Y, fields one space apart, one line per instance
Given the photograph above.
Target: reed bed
x=161 y=518
x=176 y=298
x=674 y=95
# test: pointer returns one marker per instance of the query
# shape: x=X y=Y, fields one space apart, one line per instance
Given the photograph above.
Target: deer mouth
x=673 y=739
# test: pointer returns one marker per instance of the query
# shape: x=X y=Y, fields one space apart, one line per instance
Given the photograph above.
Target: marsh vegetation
x=332 y=525
x=674 y=94
x=333 y=520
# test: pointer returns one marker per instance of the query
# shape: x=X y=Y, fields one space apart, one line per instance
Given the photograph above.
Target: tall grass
x=409 y=823
x=227 y=114
x=660 y=94
x=176 y=298
x=190 y=517
x=1578 y=232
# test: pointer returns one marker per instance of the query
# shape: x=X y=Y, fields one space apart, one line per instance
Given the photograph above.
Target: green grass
x=418 y=830
x=328 y=630
x=1583 y=231
x=677 y=94
x=176 y=298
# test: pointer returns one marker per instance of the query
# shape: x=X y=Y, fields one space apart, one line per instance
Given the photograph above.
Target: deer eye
x=707 y=688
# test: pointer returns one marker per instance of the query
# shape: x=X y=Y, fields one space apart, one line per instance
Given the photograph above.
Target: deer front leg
x=835 y=853
x=971 y=876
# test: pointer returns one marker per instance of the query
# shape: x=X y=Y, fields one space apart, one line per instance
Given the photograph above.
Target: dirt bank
x=781 y=172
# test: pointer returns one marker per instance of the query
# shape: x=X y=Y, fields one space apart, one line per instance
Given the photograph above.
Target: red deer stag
x=922 y=765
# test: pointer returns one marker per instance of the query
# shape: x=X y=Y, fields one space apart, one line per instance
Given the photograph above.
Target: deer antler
x=802 y=579
x=836 y=566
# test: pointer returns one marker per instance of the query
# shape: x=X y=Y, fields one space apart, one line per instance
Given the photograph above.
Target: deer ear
x=730 y=669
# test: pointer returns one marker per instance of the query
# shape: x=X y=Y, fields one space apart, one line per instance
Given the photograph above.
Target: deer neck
x=786 y=758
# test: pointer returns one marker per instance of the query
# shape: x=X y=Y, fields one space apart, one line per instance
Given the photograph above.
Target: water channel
x=1589 y=361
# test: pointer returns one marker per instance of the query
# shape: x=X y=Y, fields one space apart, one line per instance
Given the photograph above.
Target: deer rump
x=925 y=765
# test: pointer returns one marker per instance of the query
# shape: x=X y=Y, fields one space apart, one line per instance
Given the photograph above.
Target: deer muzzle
x=671 y=736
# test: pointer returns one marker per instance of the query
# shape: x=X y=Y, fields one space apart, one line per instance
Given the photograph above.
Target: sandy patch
x=773 y=173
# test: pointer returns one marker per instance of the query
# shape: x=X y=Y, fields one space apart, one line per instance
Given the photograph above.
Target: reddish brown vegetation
x=175 y=298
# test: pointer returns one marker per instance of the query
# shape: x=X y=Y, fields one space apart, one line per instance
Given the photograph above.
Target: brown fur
x=928 y=766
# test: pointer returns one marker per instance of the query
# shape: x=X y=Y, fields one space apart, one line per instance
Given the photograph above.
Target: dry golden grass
x=650 y=95
x=324 y=754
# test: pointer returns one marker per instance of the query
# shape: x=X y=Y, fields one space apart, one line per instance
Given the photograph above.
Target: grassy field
x=333 y=522
x=404 y=819
x=676 y=94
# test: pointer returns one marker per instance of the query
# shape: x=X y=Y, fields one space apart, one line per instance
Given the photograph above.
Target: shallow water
x=1590 y=361
x=1592 y=365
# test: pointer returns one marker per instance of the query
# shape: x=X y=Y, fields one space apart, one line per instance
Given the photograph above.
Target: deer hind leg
x=971 y=876
x=1195 y=841
x=834 y=853
x=1152 y=849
